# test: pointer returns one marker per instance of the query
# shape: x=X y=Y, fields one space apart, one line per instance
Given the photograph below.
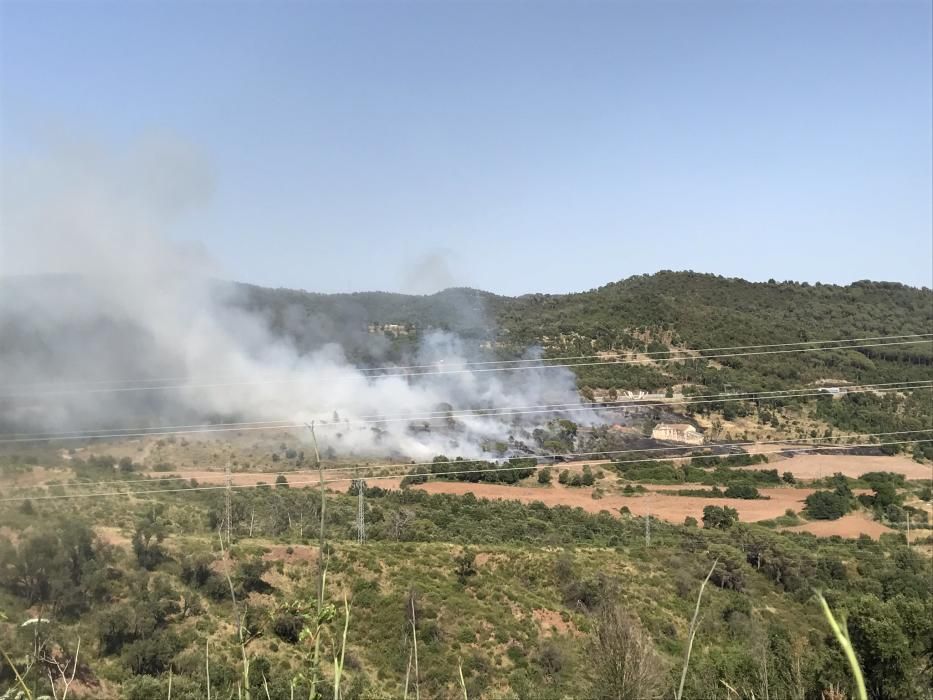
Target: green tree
x=720 y=517
x=745 y=491
x=885 y=495
x=147 y=540
x=465 y=565
x=826 y=505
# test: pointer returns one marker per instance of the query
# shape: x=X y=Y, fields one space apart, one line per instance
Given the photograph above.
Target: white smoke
x=156 y=311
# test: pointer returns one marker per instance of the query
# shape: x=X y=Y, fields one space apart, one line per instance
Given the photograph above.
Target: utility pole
x=228 y=505
x=360 y=512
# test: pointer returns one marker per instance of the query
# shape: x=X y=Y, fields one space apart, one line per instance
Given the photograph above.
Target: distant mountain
x=641 y=313
x=648 y=312
x=700 y=309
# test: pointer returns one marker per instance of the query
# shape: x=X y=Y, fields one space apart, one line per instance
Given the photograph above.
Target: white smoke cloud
x=136 y=304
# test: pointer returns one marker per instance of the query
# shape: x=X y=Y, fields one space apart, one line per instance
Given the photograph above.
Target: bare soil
x=851 y=525
x=815 y=466
x=300 y=552
x=671 y=508
x=551 y=623
x=666 y=507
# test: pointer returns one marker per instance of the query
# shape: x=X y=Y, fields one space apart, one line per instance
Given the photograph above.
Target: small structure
x=677 y=432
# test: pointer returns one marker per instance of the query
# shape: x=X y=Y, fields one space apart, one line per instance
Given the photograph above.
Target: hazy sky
x=511 y=146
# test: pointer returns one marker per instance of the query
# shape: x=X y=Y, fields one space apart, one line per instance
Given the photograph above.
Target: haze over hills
x=229 y=339
x=675 y=309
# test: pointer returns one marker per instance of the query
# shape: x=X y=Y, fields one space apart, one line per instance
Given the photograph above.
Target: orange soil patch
x=671 y=508
x=300 y=552
x=851 y=525
x=550 y=623
x=815 y=466
x=666 y=507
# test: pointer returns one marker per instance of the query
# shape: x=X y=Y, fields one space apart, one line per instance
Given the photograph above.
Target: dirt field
x=298 y=478
x=851 y=525
x=666 y=507
x=671 y=508
x=816 y=466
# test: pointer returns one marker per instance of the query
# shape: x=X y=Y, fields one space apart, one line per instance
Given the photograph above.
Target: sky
x=511 y=146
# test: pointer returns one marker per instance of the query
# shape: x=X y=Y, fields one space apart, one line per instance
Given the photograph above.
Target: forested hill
x=710 y=311
x=645 y=312
x=697 y=310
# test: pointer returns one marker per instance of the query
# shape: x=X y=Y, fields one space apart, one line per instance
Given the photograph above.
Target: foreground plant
x=842 y=636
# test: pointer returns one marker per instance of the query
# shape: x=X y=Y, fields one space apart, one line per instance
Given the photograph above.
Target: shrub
x=465 y=565
x=745 y=491
x=826 y=505
x=287 y=627
x=550 y=659
x=720 y=517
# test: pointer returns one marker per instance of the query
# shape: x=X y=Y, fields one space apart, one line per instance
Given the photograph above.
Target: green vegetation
x=454 y=596
x=520 y=597
x=650 y=313
x=668 y=472
x=511 y=472
x=744 y=491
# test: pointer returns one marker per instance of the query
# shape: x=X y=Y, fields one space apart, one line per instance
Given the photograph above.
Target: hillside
x=524 y=600
x=531 y=580
x=672 y=308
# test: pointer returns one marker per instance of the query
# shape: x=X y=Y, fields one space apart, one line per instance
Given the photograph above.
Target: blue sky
x=510 y=146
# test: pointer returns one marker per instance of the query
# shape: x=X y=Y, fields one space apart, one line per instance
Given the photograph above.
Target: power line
x=463 y=413
x=636 y=361
x=389 y=368
x=492 y=411
x=604 y=453
x=536 y=467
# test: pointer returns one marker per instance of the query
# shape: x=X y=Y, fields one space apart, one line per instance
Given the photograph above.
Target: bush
x=550 y=659
x=720 y=517
x=287 y=627
x=544 y=476
x=465 y=565
x=826 y=505
x=742 y=491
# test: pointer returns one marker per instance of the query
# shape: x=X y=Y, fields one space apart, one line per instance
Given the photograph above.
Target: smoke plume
x=127 y=327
